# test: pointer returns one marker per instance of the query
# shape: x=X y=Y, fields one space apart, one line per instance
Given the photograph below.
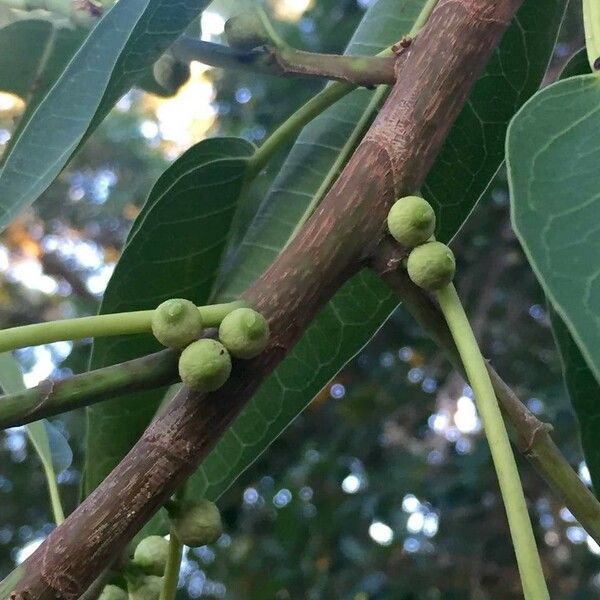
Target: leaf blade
x=581 y=384
x=550 y=153
x=174 y=250
x=309 y=161
x=113 y=57
x=51 y=446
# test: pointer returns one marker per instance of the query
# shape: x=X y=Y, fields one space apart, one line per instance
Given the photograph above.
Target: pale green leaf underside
x=32 y=54
x=583 y=389
x=174 y=250
x=553 y=152
x=470 y=158
x=129 y=38
x=51 y=446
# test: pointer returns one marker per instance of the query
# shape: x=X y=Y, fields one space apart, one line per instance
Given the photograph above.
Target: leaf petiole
x=99 y=326
x=530 y=568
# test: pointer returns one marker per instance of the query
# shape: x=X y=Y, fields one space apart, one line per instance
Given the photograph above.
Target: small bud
x=197 y=523
x=170 y=73
x=244 y=332
x=411 y=221
x=145 y=588
x=113 y=592
x=205 y=365
x=151 y=555
x=245 y=32
x=431 y=265
x=176 y=323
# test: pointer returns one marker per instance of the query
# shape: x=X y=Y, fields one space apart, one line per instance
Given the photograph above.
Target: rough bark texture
x=435 y=75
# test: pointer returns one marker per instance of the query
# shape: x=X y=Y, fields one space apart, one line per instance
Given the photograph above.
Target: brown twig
x=531 y=435
x=289 y=62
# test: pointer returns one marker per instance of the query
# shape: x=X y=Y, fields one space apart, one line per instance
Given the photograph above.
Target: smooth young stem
x=50 y=398
x=98 y=326
x=290 y=128
x=591 y=23
x=286 y=132
x=169 y=590
x=57 y=510
x=530 y=568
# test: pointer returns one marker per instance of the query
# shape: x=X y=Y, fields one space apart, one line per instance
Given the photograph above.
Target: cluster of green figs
x=194 y=523
x=205 y=364
x=430 y=264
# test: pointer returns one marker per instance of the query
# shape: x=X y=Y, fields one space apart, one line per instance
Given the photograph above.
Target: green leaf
x=113 y=58
x=580 y=382
x=465 y=167
x=8 y=584
x=51 y=446
x=552 y=157
x=577 y=65
x=33 y=52
x=174 y=250
x=584 y=392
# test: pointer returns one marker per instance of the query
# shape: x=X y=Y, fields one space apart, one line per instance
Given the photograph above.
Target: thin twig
x=289 y=62
x=531 y=436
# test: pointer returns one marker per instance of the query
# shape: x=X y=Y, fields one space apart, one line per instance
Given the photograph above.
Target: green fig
x=197 y=523
x=411 y=221
x=245 y=32
x=176 y=323
x=151 y=555
x=431 y=265
x=113 y=592
x=205 y=365
x=170 y=73
x=148 y=587
x=244 y=332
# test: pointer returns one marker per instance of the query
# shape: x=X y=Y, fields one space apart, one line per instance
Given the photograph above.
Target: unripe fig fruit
x=113 y=592
x=411 y=221
x=197 y=523
x=176 y=323
x=146 y=588
x=245 y=32
x=205 y=365
x=151 y=555
x=244 y=332
x=170 y=73
x=431 y=265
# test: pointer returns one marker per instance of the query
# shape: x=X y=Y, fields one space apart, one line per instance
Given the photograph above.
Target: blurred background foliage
x=383 y=488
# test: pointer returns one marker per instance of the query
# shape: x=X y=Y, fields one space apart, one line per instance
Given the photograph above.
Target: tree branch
x=529 y=434
x=289 y=62
x=55 y=397
x=434 y=78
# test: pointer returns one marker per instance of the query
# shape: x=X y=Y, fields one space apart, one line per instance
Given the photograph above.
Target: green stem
x=530 y=568
x=342 y=158
x=290 y=128
x=57 y=509
x=591 y=22
x=52 y=398
x=98 y=326
x=275 y=38
x=169 y=590
x=357 y=133
x=38 y=436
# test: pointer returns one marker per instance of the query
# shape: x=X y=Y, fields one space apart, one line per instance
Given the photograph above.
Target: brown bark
x=435 y=75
